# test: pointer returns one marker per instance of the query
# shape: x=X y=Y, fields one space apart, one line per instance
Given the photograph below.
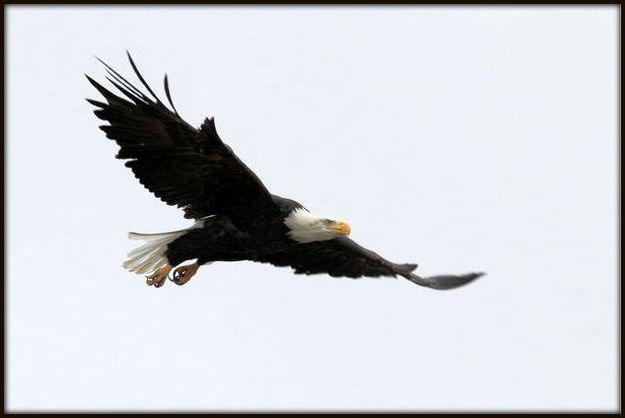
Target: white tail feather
x=151 y=255
x=152 y=237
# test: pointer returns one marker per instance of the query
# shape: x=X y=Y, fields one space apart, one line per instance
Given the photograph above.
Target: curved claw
x=184 y=273
x=157 y=279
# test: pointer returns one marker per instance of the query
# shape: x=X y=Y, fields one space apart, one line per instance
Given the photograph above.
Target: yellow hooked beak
x=341 y=228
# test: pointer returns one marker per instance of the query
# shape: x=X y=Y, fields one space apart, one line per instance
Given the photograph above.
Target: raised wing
x=342 y=257
x=183 y=166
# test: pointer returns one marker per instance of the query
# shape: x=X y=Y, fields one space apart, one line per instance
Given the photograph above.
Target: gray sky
x=462 y=139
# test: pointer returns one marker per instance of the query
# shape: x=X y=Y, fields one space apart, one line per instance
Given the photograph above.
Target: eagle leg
x=184 y=273
x=157 y=279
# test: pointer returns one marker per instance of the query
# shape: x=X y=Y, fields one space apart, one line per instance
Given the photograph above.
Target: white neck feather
x=306 y=227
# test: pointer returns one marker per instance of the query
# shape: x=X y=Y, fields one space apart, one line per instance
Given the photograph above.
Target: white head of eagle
x=306 y=227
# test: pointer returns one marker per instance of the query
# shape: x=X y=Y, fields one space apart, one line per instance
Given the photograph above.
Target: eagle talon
x=184 y=273
x=157 y=279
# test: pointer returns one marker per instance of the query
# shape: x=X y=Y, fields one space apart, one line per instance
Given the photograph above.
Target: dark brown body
x=220 y=239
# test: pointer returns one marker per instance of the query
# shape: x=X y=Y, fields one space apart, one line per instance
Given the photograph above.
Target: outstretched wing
x=183 y=166
x=342 y=257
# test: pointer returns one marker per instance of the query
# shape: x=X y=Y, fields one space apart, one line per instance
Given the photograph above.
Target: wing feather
x=183 y=166
x=339 y=257
x=342 y=257
x=168 y=94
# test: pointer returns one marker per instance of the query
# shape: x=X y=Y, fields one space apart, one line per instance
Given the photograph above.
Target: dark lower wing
x=342 y=257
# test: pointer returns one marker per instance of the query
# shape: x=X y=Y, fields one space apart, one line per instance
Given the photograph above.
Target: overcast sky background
x=460 y=138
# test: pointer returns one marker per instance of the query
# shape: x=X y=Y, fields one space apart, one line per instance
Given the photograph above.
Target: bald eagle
x=236 y=217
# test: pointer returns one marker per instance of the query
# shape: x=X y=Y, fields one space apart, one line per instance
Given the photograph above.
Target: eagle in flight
x=236 y=217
